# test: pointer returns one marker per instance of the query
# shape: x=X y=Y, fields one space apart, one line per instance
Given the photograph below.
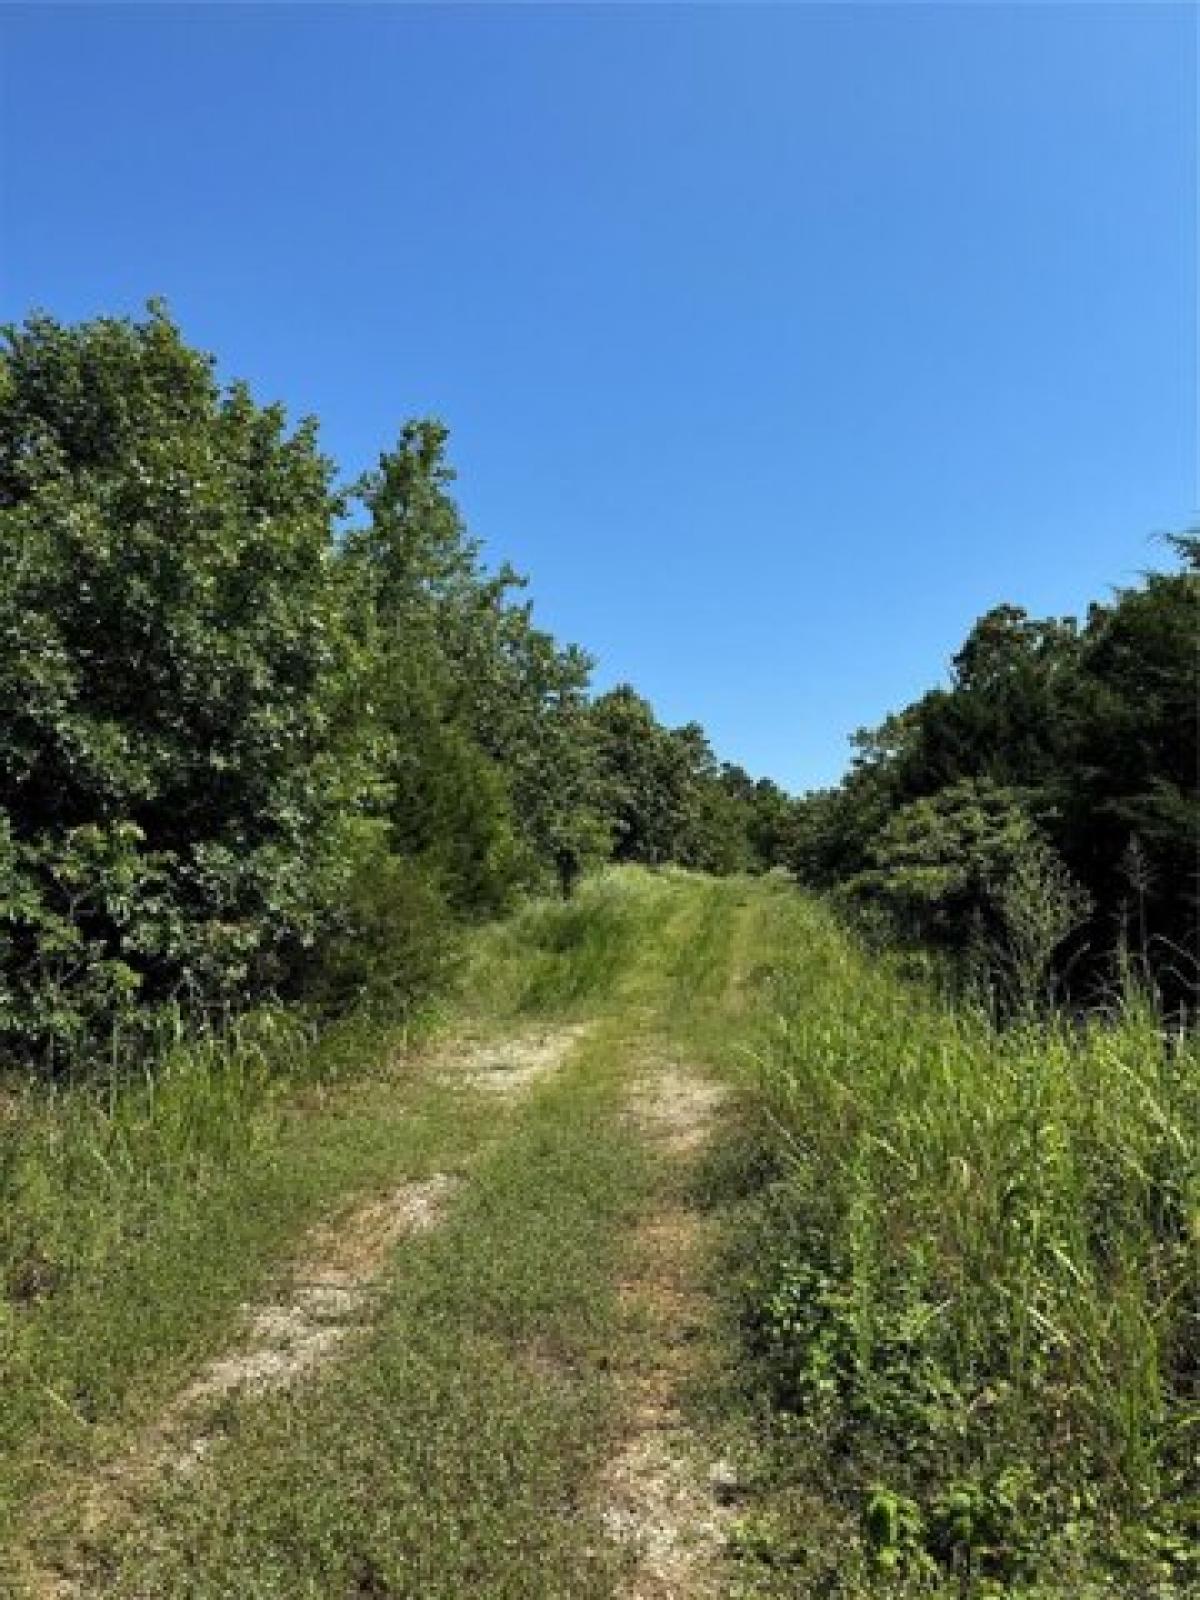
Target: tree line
x=266 y=735
x=1044 y=806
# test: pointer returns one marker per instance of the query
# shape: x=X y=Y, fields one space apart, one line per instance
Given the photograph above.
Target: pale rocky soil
x=657 y=1496
x=330 y=1288
x=508 y=1067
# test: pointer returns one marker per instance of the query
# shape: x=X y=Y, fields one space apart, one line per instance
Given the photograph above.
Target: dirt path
x=461 y=1469
x=285 y=1340
x=508 y=1067
x=658 y=1497
x=323 y=1297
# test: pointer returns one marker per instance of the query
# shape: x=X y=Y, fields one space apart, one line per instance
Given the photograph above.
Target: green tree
x=1093 y=732
x=644 y=775
x=484 y=739
x=1131 y=765
x=941 y=863
x=175 y=663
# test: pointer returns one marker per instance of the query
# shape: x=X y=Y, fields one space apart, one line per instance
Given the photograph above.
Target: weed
x=974 y=1276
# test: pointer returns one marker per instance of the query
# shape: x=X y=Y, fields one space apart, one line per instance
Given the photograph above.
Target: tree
x=941 y=863
x=1091 y=731
x=644 y=776
x=1132 y=760
x=482 y=716
x=175 y=664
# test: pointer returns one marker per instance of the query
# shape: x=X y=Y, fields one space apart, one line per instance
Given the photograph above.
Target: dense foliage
x=968 y=1291
x=176 y=764
x=262 y=735
x=265 y=735
x=1054 y=779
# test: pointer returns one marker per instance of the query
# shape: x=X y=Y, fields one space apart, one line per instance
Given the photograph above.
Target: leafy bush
x=174 y=665
x=392 y=939
x=967 y=869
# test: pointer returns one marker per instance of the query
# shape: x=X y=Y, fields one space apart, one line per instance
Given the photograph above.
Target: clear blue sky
x=776 y=344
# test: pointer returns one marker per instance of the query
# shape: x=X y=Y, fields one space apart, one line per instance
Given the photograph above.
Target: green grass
x=458 y=1452
x=971 y=1299
x=138 y=1220
x=450 y=1457
x=960 y=1344
x=135 y=1221
x=135 y=1217
x=570 y=958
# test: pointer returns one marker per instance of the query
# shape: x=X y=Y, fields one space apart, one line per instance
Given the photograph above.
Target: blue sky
x=776 y=343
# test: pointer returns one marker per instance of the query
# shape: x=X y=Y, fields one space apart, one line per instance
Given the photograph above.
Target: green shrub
x=392 y=941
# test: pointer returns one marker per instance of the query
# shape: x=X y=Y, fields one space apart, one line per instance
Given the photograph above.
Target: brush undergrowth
x=971 y=1304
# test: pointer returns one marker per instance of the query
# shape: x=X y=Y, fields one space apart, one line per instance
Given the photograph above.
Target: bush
x=968 y=871
x=393 y=940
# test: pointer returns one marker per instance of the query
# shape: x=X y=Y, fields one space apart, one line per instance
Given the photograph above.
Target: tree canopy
x=266 y=734
x=1078 y=737
x=237 y=698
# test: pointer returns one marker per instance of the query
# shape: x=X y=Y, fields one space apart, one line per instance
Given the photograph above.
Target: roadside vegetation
x=967 y=1262
x=1059 y=763
x=953 y=1271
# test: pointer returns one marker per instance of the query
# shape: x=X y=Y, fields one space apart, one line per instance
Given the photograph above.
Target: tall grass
x=82 y=1165
x=562 y=957
x=982 y=1280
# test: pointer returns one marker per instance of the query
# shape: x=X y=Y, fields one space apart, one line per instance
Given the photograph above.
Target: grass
x=971 y=1303
x=566 y=959
x=136 y=1219
x=447 y=1459
x=960 y=1350
x=139 y=1221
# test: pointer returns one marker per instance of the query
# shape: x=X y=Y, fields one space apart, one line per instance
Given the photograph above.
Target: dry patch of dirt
x=510 y=1066
x=676 y=1108
x=656 y=1497
x=331 y=1283
x=658 y=1507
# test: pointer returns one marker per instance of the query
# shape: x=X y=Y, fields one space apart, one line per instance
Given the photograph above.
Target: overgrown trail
x=471 y=1381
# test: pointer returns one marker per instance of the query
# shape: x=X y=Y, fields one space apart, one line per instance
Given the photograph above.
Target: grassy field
x=942 y=1334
